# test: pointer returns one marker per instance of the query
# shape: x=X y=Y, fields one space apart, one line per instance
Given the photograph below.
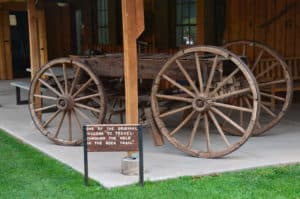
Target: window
x=102 y=19
x=185 y=22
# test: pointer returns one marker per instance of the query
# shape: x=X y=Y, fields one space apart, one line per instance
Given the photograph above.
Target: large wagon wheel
x=202 y=89
x=271 y=73
x=71 y=96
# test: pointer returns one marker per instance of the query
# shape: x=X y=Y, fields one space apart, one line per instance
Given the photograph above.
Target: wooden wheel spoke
x=83 y=115
x=257 y=60
x=174 y=111
x=178 y=85
x=272 y=96
x=86 y=97
x=77 y=119
x=267 y=70
x=230 y=121
x=228 y=106
x=220 y=130
x=175 y=97
x=271 y=83
x=56 y=81
x=59 y=125
x=211 y=74
x=207 y=135
x=199 y=73
x=65 y=77
x=74 y=80
x=87 y=107
x=186 y=119
x=241 y=113
x=234 y=93
x=187 y=76
x=193 y=133
x=224 y=81
x=244 y=49
x=45 y=108
x=51 y=118
x=50 y=87
x=45 y=97
x=84 y=86
x=266 y=109
x=70 y=125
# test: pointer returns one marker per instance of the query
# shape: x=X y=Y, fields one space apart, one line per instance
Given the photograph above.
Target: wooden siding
x=274 y=22
x=5 y=47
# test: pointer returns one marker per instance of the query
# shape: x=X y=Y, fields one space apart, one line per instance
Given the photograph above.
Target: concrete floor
x=279 y=146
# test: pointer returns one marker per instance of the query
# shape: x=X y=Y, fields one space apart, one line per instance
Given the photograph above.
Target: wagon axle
x=201 y=104
x=65 y=103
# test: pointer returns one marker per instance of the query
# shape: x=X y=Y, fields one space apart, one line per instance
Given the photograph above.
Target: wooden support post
x=33 y=37
x=133 y=26
x=42 y=37
x=5 y=47
x=35 y=62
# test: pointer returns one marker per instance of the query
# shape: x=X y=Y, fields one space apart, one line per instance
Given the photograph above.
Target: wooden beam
x=7 y=46
x=33 y=37
x=13 y=6
x=200 y=22
x=35 y=61
x=2 y=52
x=42 y=37
x=133 y=26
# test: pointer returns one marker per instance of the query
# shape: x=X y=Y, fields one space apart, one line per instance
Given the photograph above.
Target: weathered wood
x=272 y=73
x=42 y=33
x=156 y=134
x=203 y=101
x=71 y=105
x=2 y=51
x=33 y=37
x=7 y=46
x=133 y=26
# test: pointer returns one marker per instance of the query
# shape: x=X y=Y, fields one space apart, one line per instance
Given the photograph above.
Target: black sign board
x=113 y=137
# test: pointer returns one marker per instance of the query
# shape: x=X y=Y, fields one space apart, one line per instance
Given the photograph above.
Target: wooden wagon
x=199 y=97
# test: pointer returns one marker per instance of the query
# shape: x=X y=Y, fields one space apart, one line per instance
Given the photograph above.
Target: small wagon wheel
x=70 y=96
x=271 y=73
x=200 y=92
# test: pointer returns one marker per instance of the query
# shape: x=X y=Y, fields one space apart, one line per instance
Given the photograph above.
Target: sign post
x=113 y=137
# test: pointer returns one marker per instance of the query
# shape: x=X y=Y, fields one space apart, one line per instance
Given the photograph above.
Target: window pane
x=102 y=18
x=178 y=35
x=185 y=22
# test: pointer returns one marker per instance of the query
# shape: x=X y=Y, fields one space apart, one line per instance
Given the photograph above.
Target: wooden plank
x=200 y=22
x=2 y=56
x=260 y=18
x=33 y=37
x=133 y=26
x=7 y=47
x=290 y=36
x=297 y=32
x=280 y=27
x=250 y=19
x=13 y=6
x=270 y=28
x=235 y=21
x=42 y=37
x=34 y=47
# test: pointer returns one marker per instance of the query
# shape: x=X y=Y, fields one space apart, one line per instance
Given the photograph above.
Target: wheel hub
x=200 y=104
x=65 y=103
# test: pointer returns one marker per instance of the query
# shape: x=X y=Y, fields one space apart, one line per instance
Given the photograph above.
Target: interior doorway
x=19 y=43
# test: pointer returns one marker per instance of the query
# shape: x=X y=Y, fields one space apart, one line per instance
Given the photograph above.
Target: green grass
x=27 y=173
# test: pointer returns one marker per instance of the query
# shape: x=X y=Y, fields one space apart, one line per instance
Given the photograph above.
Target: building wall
x=274 y=22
